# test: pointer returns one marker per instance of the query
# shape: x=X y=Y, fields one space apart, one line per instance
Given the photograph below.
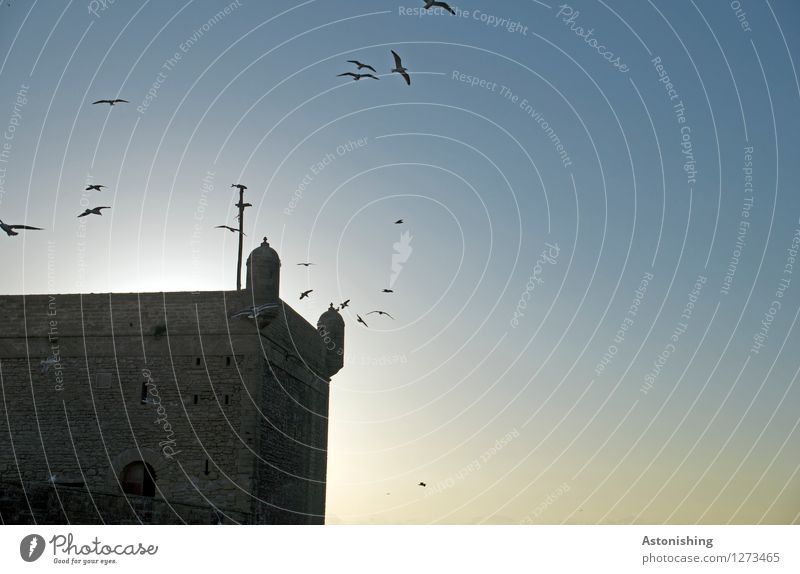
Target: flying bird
x=345 y=304
x=239 y=185
x=398 y=222
x=94 y=211
x=305 y=264
x=381 y=313
x=422 y=484
x=360 y=320
x=387 y=291
x=111 y=102
x=95 y=187
x=233 y=229
x=254 y=312
x=304 y=294
x=431 y=4
x=9 y=229
x=362 y=66
x=357 y=77
x=398 y=67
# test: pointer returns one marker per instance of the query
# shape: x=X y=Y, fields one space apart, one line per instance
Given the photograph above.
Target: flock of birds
x=11 y=230
x=380 y=313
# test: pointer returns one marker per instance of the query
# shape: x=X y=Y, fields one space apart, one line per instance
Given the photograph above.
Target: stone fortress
x=197 y=408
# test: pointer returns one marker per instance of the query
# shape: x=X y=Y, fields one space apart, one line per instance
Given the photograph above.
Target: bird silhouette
x=362 y=66
x=387 y=291
x=422 y=484
x=398 y=67
x=254 y=312
x=398 y=222
x=360 y=320
x=345 y=304
x=432 y=3
x=95 y=187
x=357 y=77
x=381 y=313
x=305 y=264
x=111 y=102
x=304 y=294
x=233 y=229
x=9 y=229
x=239 y=185
x=94 y=211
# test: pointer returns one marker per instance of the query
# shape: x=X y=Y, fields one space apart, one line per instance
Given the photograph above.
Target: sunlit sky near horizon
x=513 y=141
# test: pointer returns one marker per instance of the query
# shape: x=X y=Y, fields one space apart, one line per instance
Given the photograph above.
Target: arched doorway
x=138 y=478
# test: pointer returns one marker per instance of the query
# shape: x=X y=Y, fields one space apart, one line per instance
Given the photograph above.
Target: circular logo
x=31 y=548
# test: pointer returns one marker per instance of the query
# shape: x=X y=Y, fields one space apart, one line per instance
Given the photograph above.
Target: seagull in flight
x=304 y=294
x=111 y=102
x=431 y=4
x=305 y=264
x=233 y=229
x=95 y=187
x=398 y=222
x=239 y=185
x=254 y=312
x=357 y=77
x=360 y=320
x=381 y=313
x=345 y=304
x=9 y=229
x=387 y=291
x=362 y=66
x=398 y=67
x=94 y=211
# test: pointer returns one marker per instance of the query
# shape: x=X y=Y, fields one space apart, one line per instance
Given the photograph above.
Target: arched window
x=139 y=478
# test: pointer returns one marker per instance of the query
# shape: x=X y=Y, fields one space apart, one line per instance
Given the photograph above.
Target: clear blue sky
x=632 y=186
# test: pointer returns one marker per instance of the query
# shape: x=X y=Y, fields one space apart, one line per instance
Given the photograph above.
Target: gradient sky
x=483 y=191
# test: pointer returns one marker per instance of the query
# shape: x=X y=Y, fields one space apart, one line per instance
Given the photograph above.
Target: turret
x=263 y=274
x=331 y=329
